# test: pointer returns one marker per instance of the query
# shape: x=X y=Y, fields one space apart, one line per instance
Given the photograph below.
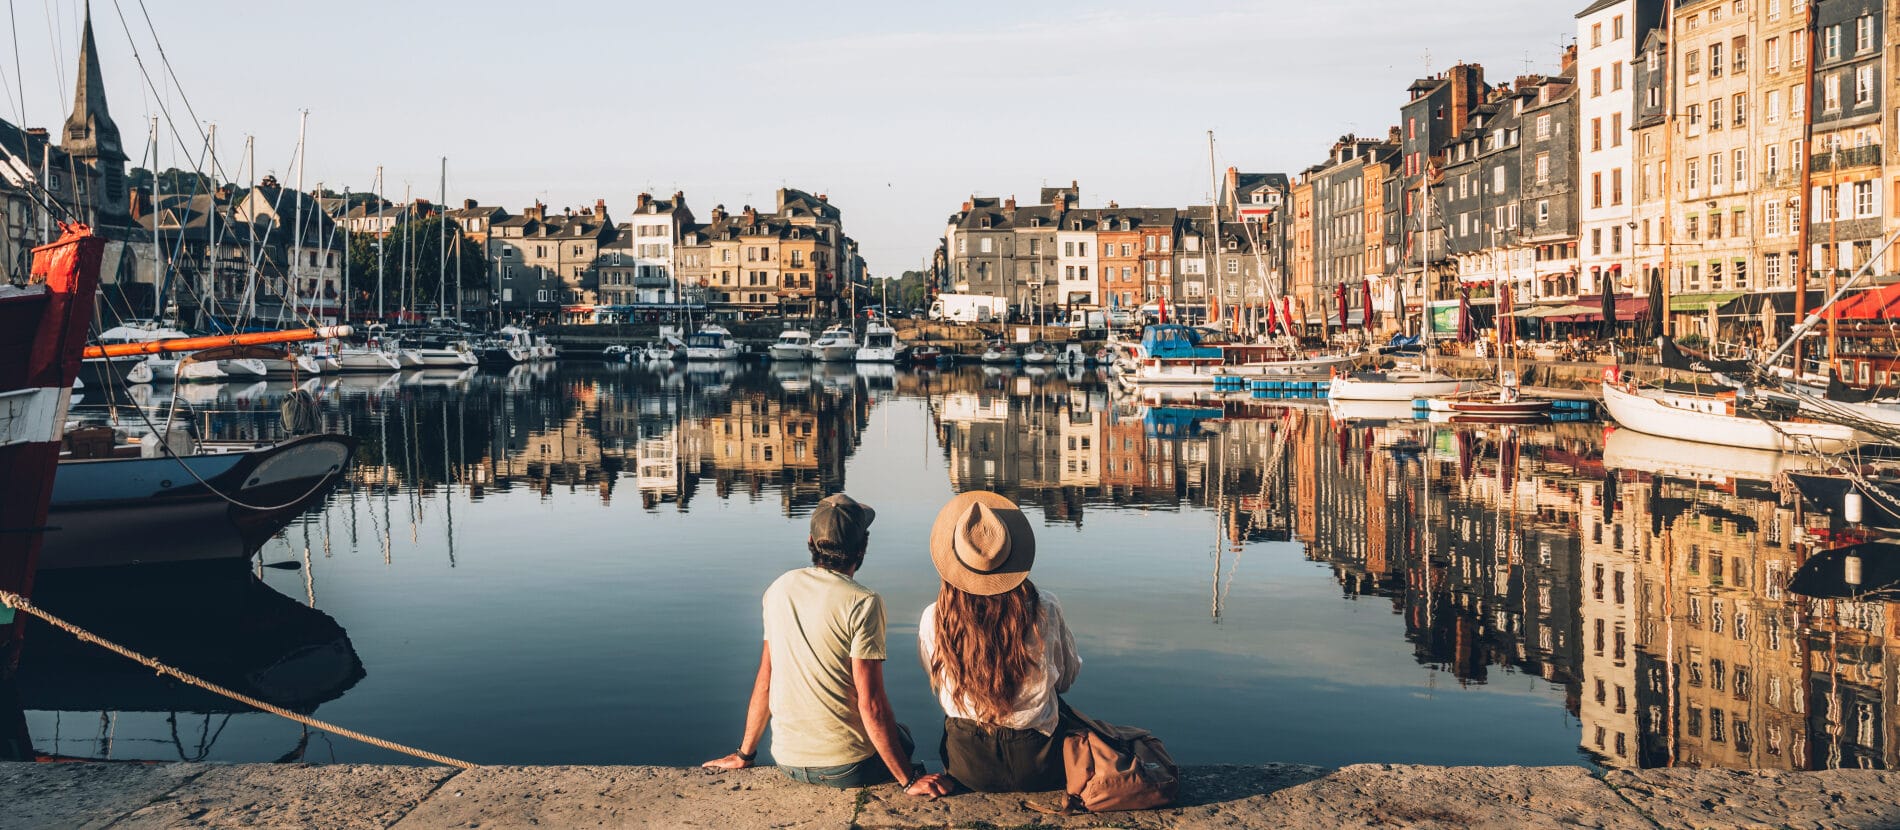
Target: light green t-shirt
x=816 y=622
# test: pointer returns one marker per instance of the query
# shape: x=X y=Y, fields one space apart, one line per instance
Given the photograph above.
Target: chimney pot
x=470 y=204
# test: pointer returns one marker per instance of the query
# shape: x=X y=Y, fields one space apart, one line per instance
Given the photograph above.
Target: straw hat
x=982 y=544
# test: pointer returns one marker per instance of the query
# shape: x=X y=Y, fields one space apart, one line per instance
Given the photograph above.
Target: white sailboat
x=1719 y=419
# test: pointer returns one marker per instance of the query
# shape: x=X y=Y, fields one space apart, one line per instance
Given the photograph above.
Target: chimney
x=751 y=216
x=1009 y=204
x=470 y=204
x=1233 y=182
x=1392 y=135
x=141 y=203
x=600 y=207
x=223 y=193
x=823 y=198
x=641 y=202
x=718 y=214
x=1112 y=205
x=967 y=204
x=1061 y=201
x=679 y=198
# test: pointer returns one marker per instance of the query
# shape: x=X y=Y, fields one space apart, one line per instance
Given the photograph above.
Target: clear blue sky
x=899 y=111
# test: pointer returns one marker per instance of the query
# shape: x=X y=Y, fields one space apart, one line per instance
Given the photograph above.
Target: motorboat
x=835 y=344
x=1397 y=385
x=1175 y=354
x=507 y=347
x=1074 y=355
x=112 y=372
x=1721 y=417
x=544 y=349
x=881 y=345
x=792 y=345
x=438 y=351
x=712 y=342
x=617 y=353
x=668 y=348
x=369 y=357
x=1039 y=353
x=925 y=355
x=998 y=353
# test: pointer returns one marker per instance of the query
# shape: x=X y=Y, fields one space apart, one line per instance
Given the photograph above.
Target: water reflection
x=1637 y=585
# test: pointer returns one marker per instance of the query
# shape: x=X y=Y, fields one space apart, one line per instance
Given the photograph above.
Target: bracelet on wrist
x=745 y=756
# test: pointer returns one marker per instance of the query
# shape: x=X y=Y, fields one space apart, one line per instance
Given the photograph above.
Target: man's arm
x=874 y=708
x=757 y=713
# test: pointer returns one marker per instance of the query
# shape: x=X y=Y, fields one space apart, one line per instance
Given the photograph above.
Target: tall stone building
x=1429 y=123
x=1844 y=199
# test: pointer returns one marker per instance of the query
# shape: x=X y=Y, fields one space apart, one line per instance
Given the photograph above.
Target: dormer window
x=1259 y=198
x=985 y=223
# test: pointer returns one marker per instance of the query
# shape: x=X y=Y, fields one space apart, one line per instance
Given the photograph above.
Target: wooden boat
x=1628 y=449
x=42 y=333
x=1713 y=418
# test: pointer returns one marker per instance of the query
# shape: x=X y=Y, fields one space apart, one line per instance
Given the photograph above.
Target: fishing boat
x=42 y=333
x=1721 y=417
x=666 y=349
x=835 y=344
x=438 y=351
x=711 y=342
x=998 y=352
x=792 y=346
x=1039 y=353
x=881 y=345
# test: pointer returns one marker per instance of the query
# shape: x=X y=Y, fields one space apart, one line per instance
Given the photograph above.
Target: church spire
x=91 y=138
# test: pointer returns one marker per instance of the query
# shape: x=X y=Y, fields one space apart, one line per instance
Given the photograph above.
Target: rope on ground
x=23 y=605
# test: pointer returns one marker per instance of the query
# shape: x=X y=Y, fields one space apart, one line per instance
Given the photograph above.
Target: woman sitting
x=997 y=652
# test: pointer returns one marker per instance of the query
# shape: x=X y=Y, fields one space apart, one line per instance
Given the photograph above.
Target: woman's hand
x=728 y=763
x=933 y=786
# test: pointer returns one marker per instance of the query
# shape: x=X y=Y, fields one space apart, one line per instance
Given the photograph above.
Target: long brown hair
x=987 y=647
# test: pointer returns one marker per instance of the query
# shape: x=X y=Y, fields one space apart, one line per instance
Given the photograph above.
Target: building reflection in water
x=1644 y=579
x=1647 y=582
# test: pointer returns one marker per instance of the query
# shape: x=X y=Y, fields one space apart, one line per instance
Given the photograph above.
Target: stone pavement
x=1272 y=795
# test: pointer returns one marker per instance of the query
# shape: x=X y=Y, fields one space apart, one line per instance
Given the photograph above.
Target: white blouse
x=1035 y=706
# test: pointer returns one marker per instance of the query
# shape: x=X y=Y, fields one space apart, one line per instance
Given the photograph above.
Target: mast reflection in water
x=563 y=564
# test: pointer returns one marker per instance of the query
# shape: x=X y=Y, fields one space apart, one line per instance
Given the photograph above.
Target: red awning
x=1874 y=304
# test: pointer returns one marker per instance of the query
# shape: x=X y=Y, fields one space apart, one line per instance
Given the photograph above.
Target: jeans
x=863 y=773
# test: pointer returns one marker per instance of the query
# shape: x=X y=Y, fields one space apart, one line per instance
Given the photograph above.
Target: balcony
x=1846 y=158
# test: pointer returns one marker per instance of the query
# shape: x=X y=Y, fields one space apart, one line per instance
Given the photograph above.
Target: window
x=1596 y=133
x=1616 y=187
x=1596 y=82
x=1543 y=126
x=1695 y=117
x=1863 y=196
x=1616 y=76
x=1715 y=170
x=1771 y=216
x=1616 y=129
x=1715 y=60
x=1774 y=106
x=1797 y=100
x=1794 y=219
x=1616 y=27
x=1543 y=168
x=1739 y=107
x=985 y=244
x=1738 y=53
x=1831 y=42
x=1693 y=178
x=1771 y=54
x=1798 y=48
x=1863 y=84
x=1596 y=190
x=1740 y=170
x=1616 y=239
x=1596 y=35
x=1715 y=114
x=1771 y=268
x=1543 y=211
x=1692 y=64
x=1596 y=241
x=1771 y=160
x=1863 y=34
x=1831 y=93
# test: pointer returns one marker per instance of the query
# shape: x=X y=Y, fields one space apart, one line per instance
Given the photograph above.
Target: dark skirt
x=997 y=759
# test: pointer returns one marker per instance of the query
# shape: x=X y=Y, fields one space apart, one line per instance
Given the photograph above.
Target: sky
x=898 y=111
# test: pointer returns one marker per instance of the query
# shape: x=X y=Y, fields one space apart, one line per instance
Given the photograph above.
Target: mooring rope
x=23 y=605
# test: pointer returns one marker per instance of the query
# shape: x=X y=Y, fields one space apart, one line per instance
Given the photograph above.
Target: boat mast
x=1213 y=213
x=158 y=249
x=382 y=235
x=409 y=215
x=210 y=294
x=297 y=236
x=1807 y=192
x=249 y=306
x=442 y=245
x=343 y=318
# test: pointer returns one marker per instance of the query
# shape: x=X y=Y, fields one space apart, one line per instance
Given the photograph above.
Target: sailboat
x=1507 y=404
x=1406 y=384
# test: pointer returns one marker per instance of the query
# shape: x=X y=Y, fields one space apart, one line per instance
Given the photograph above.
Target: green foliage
x=173 y=180
x=906 y=291
x=413 y=284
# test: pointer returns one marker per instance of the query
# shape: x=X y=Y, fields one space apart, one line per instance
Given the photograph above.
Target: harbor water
x=563 y=564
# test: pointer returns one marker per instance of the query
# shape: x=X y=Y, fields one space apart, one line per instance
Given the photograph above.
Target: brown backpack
x=1112 y=768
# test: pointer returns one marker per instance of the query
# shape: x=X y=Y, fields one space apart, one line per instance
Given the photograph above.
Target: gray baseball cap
x=840 y=521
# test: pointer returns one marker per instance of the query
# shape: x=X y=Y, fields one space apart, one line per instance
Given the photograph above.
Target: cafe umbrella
x=1653 y=326
x=1606 y=328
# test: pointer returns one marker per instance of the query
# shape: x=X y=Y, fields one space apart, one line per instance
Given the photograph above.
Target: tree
x=172 y=181
x=413 y=285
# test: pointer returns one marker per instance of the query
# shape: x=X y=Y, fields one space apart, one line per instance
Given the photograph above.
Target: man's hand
x=933 y=786
x=730 y=762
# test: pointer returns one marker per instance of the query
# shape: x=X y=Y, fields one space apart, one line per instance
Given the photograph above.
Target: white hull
x=299 y=364
x=1706 y=419
x=790 y=354
x=722 y=353
x=836 y=351
x=1398 y=386
x=1628 y=449
x=174 y=370
x=243 y=368
x=436 y=359
x=368 y=360
x=870 y=354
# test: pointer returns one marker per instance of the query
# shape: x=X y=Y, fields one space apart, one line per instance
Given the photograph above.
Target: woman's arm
x=1068 y=664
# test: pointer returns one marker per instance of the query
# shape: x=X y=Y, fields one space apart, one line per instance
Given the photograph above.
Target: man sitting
x=821 y=671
